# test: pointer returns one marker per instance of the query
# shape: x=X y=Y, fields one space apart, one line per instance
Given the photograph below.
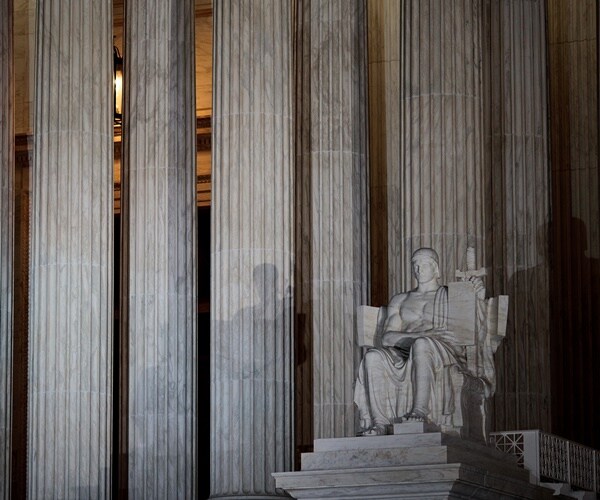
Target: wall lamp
x=118 y=84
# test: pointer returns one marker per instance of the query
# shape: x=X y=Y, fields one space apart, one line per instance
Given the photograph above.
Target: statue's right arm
x=393 y=323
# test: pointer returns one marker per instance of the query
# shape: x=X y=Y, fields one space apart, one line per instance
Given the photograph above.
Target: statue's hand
x=390 y=339
x=478 y=286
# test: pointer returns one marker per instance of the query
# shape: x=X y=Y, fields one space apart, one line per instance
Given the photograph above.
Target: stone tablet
x=497 y=316
x=366 y=325
x=462 y=310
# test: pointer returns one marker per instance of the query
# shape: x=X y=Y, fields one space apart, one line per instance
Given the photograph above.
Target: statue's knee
x=420 y=347
x=372 y=358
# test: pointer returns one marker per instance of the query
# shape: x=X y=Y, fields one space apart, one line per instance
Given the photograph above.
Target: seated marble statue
x=406 y=376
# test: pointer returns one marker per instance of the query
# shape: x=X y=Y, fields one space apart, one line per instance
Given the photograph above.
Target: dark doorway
x=203 y=320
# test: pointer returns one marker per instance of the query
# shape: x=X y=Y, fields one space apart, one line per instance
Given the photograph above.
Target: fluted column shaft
x=433 y=150
x=519 y=201
x=70 y=348
x=332 y=185
x=252 y=247
x=573 y=35
x=7 y=213
x=441 y=167
x=159 y=211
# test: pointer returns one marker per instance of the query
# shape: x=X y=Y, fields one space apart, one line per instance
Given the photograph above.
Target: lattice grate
x=552 y=457
x=511 y=443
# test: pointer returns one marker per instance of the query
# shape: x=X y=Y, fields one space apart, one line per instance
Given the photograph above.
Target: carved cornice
x=203 y=142
x=203 y=122
x=23 y=150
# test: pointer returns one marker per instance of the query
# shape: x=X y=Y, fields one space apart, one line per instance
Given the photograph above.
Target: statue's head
x=425 y=264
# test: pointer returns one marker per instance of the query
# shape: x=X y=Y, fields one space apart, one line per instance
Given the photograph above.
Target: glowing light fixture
x=118 y=84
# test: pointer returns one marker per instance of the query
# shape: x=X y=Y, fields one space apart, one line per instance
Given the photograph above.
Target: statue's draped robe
x=385 y=385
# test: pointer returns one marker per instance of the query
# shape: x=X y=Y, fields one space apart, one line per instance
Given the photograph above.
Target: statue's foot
x=366 y=422
x=414 y=416
x=376 y=430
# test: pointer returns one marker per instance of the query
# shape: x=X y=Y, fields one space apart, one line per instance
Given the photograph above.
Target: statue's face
x=425 y=269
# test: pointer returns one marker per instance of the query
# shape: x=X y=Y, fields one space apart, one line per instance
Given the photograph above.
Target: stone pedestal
x=411 y=463
x=251 y=247
x=70 y=349
x=159 y=228
x=7 y=204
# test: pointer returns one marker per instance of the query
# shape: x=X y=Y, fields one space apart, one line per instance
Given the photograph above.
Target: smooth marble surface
x=449 y=451
x=374 y=442
x=431 y=482
x=159 y=221
x=7 y=234
x=447 y=468
x=381 y=457
x=71 y=299
x=414 y=429
x=332 y=237
x=252 y=247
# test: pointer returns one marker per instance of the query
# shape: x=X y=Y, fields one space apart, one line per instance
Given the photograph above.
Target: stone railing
x=549 y=457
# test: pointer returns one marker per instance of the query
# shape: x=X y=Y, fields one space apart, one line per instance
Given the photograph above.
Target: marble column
x=70 y=350
x=518 y=201
x=573 y=34
x=333 y=192
x=430 y=96
x=7 y=213
x=252 y=247
x=159 y=252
